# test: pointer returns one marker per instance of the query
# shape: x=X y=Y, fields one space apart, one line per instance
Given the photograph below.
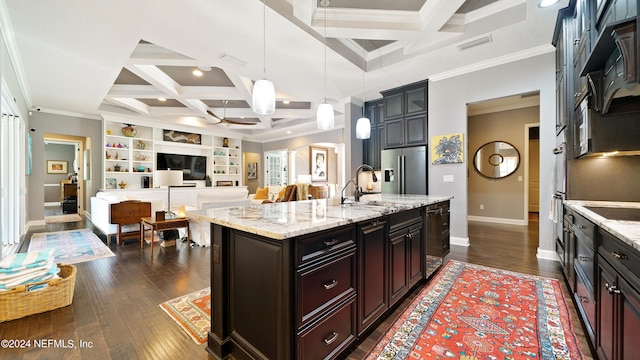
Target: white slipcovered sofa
x=191 y=197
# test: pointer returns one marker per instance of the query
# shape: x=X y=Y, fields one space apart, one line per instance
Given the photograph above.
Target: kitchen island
x=306 y=279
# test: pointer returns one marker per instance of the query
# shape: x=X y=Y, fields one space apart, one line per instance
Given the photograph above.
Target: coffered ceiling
x=134 y=59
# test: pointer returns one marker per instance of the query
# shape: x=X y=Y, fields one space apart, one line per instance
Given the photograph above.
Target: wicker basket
x=18 y=302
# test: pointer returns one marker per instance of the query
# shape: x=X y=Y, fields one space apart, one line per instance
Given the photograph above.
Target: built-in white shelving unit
x=128 y=158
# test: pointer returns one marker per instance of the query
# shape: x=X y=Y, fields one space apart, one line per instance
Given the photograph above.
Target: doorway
x=67 y=154
x=505 y=200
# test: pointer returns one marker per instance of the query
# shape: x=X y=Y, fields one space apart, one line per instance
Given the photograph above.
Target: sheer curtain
x=12 y=150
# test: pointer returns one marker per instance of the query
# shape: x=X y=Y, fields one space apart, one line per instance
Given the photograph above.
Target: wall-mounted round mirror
x=496 y=160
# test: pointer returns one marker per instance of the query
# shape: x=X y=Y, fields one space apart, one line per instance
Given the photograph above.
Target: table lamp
x=169 y=178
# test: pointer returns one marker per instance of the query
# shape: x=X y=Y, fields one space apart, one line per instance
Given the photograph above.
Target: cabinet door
x=393 y=105
x=416 y=100
x=394 y=133
x=416 y=129
x=372 y=283
x=605 y=332
x=630 y=317
x=414 y=258
x=398 y=277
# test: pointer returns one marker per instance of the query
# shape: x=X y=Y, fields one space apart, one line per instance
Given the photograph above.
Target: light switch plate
x=447 y=178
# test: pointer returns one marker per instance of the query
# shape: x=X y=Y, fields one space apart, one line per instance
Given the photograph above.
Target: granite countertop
x=627 y=231
x=290 y=219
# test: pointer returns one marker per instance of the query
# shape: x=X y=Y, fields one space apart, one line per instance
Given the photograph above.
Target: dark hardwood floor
x=116 y=300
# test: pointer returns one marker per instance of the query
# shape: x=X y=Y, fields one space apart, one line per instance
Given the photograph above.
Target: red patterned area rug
x=475 y=312
x=192 y=312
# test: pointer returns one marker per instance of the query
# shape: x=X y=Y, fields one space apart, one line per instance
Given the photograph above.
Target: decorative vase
x=129 y=131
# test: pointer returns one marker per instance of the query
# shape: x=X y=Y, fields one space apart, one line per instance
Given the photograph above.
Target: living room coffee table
x=160 y=225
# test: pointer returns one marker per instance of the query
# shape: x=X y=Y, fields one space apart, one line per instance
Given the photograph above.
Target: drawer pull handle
x=332 y=337
x=612 y=289
x=331 y=243
x=581 y=227
x=583 y=299
x=583 y=258
x=331 y=284
x=619 y=256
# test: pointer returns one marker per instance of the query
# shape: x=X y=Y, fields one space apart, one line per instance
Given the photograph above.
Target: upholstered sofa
x=191 y=197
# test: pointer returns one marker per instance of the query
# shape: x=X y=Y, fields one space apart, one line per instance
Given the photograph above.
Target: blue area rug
x=71 y=246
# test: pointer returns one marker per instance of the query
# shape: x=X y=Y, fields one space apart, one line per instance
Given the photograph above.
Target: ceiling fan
x=223 y=119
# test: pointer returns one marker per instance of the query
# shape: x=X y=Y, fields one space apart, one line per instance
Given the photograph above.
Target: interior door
x=534 y=176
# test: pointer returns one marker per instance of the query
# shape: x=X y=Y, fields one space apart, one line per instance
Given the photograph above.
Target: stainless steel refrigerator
x=404 y=171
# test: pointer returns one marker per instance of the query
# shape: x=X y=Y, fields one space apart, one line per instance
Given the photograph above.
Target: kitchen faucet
x=358 y=192
x=342 y=198
x=373 y=176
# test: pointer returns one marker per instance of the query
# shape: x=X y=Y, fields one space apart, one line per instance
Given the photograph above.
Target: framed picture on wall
x=318 y=162
x=252 y=170
x=57 y=167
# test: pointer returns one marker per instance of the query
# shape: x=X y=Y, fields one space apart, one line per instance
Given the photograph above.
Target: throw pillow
x=262 y=194
x=281 y=193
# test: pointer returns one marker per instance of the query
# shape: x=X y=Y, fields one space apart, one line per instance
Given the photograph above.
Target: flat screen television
x=194 y=167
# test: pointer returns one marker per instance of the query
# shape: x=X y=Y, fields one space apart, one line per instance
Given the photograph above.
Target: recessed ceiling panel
x=158 y=103
x=301 y=105
x=230 y=104
x=407 y=5
x=472 y=5
x=184 y=76
x=126 y=77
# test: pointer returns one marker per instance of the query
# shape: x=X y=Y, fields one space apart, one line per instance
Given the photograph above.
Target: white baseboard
x=35 y=223
x=496 y=220
x=459 y=241
x=547 y=255
x=57 y=203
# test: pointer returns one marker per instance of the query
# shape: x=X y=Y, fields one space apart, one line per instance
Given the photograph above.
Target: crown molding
x=14 y=54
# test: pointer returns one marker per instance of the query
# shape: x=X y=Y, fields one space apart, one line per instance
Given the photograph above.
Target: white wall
x=448 y=99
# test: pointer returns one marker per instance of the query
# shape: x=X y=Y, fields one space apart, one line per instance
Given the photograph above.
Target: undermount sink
x=616 y=213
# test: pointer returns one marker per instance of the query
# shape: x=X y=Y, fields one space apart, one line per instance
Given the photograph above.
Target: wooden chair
x=319 y=191
x=129 y=212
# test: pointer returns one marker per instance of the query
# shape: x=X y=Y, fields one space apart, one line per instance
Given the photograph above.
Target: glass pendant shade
x=325 y=117
x=363 y=128
x=264 y=97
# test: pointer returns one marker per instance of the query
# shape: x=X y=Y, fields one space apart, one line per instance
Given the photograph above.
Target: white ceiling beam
x=132 y=104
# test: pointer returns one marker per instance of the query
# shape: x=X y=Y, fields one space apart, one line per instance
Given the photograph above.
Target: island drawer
x=584 y=229
x=324 y=244
x=329 y=336
x=323 y=285
x=622 y=256
x=585 y=259
x=585 y=300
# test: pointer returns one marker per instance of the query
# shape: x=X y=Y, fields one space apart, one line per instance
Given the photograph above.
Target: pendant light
x=325 y=117
x=264 y=93
x=363 y=126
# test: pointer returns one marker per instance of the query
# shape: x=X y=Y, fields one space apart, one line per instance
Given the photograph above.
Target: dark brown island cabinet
x=315 y=295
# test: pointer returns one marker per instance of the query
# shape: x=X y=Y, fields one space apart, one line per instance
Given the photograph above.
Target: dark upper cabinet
x=564 y=68
x=405 y=115
x=581 y=49
x=374 y=110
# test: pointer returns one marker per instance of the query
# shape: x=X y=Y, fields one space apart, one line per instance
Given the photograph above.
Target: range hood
x=612 y=67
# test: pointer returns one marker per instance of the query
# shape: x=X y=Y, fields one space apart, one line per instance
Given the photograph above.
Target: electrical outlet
x=447 y=178
x=481 y=206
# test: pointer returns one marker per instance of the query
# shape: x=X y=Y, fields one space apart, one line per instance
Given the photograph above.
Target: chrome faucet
x=358 y=192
